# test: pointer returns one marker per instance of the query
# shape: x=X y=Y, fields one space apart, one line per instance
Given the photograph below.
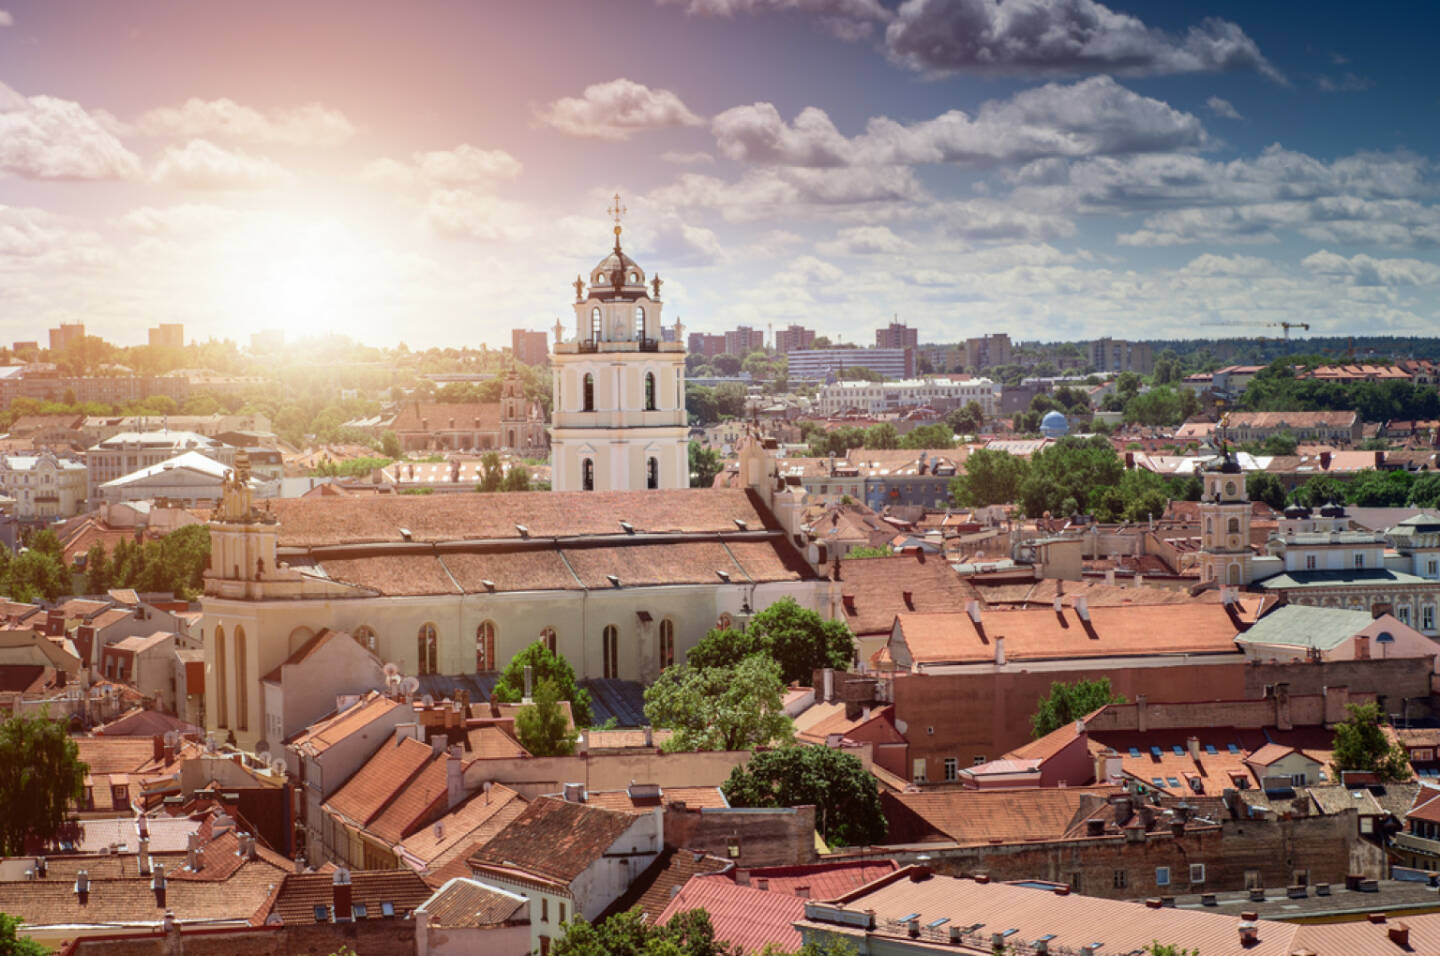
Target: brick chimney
x=341 y=893
x=1282 y=707
x=1140 y=713
x=454 y=777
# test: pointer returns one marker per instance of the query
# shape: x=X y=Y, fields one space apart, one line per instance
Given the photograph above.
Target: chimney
x=439 y=744
x=1249 y=933
x=1110 y=577
x=341 y=891
x=973 y=609
x=192 y=851
x=142 y=856
x=1082 y=607
x=1362 y=647
x=1282 y=707
x=529 y=683
x=1140 y=715
x=454 y=778
x=1325 y=460
x=649 y=736
x=574 y=793
x=1059 y=605
x=157 y=883
x=1399 y=932
x=1379 y=459
x=1094 y=827
x=999 y=652
x=828 y=683
x=1194 y=744
x=158 y=747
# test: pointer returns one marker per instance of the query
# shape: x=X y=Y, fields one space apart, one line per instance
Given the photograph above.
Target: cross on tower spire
x=615 y=212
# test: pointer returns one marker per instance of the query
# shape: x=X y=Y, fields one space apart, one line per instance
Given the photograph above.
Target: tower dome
x=1054 y=425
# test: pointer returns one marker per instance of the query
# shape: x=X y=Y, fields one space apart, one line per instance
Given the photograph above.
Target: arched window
x=426 y=651
x=649 y=391
x=547 y=637
x=1234 y=526
x=242 y=680
x=1234 y=574
x=587 y=475
x=640 y=323
x=589 y=393
x=485 y=647
x=667 y=643
x=365 y=636
x=595 y=324
x=222 y=693
x=610 y=647
x=1209 y=526
x=652 y=473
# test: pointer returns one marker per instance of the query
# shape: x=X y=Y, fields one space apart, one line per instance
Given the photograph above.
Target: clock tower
x=1225 y=529
x=618 y=422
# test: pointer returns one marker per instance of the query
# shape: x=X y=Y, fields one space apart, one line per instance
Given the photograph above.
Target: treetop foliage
x=543 y=666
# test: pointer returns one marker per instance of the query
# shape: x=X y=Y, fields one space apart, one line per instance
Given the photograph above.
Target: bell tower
x=1225 y=524
x=619 y=420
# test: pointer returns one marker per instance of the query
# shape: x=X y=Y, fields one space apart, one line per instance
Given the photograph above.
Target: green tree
x=390 y=443
x=13 y=944
x=925 y=437
x=543 y=666
x=967 y=420
x=700 y=404
x=882 y=435
x=1064 y=475
x=720 y=708
x=1379 y=489
x=705 y=464
x=867 y=552
x=97 y=569
x=990 y=478
x=795 y=637
x=1425 y=492
x=45 y=542
x=492 y=472
x=1263 y=486
x=1157 y=948
x=1362 y=744
x=542 y=728
x=516 y=479
x=688 y=933
x=1280 y=443
x=845 y=795
x=730 y=400
x=40 y=775
x=1319 y=490
x=35 y=574
x=1070 y=702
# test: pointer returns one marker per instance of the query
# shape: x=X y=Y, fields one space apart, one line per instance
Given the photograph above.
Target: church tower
x=619 y=420
x=1225 y=524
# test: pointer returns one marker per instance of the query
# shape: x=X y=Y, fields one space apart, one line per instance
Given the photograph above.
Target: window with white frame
x=952 y=769
x=919 y=775
x=1162 y=876
x=1427 y=618
x=1197 y=872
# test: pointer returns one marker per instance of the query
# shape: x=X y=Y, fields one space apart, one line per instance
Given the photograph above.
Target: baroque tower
x=619 y=420
x=1225 y=528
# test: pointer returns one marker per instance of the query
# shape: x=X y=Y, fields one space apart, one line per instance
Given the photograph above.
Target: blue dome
x=1054 y=425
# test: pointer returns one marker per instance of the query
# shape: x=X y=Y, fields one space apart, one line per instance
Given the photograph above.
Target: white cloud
x=200 y=164
x=686 y=159
x=465 y=165
x=1363 y=270
x=182 y=219
x=846 y=19
x=773 y=192
x=986 y=219
x=42 y=137
x=1093 y=117
x=465 y=214
x=1213 y=265
x=1346 y=82
x=7 y=19
x=863 y=241
x=616 y=109
x=309 y=125
x=1059 y=37
x=1222 y=108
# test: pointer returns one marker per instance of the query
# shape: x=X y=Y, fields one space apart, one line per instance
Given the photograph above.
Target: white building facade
x=875 y=397
x=619 y=421
x=43 y=486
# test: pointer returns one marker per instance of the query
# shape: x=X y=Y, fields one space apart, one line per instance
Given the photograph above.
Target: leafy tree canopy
x=990 y=478
x=40 y=774
x=689 y=933
x=13 y=944
x=720 y=708
x=705 y=464
x=1361 y=744
x=1069 y=702
x=845 y=795
x=797 y=638
x=544 y=666
x=923 y=437
x=542 y=728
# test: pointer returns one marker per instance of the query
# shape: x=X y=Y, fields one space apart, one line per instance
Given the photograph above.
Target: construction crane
x=1240 y=321
x=1287 y=326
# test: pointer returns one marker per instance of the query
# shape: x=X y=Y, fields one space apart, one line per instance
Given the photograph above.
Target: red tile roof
x=380 y=780
x=972 y=817
x=873 y=589
x=818 y=881
x=299 y=893
x=652 y=890
x=747 y=917
x=355 y=719
x=465 y=904
x=555 y=840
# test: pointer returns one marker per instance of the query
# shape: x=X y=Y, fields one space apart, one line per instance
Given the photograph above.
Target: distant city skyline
x=438 y=174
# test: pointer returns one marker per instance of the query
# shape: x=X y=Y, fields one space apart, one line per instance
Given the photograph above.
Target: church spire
x=616 y=211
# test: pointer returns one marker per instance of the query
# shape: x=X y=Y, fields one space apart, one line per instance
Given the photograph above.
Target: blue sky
x=438 y=172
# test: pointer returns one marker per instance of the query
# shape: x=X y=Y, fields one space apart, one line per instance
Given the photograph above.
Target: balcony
x=1416 y=844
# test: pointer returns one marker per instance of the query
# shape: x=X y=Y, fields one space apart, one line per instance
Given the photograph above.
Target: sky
x=438 y=172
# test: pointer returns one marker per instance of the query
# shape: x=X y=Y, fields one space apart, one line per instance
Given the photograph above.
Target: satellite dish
x=410 y=685
x=279 y=767
x=172 y=738
x=391 y=669
x=428 y=700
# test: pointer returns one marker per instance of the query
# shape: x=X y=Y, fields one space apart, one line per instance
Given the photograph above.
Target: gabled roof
x=474 y=822
x=300 y=893
x=742 y=915
x=325 y=733
x=380 y=780
x=873 y=589
x=972 y=817
x=653 y=889
x=465 y=904
x=555 y=840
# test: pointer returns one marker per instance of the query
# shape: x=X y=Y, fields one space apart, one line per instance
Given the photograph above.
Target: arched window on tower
x=649 y=391
x=610 y=647
x=589 y=393
x=640 y=323
x=587 y=475
x=485 y=647
x=242 y=680
x=667 y=643
x=652 y=473
x=1234 y=526
x=222 y=693
x=595 y=324
x=426 y=651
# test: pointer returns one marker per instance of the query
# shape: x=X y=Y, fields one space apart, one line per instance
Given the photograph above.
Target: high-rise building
x=1118 y=355
x=794 y=338
x=169 y=335
x=896 y=336
x=986 y=351
x=744 y=340
x=529 y=348
x=68 y=335
x=817 y=365
x=707 y=345
x=619 y=421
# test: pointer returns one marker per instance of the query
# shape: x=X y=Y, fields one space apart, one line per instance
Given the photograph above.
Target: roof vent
x=627 y=527
x=724 y=576
x=739 y=523
x=405 y=533
x=973 y=609
x=524 y=531
x=613 y=579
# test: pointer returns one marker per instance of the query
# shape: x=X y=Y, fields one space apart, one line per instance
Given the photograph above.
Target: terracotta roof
x=971 y=817
x=300 y=893
x=1340 y=419
x=554 y=839
x=138 y=644
x=476 y=820
x=115 y=754
x=817 y=723
x=1270 y=753
x=1141 y=630
x=465 y=904
x=692 y=797
x=375 y=784
x=492 y=742
x=415 y=803
x=316 y=641
x=141 y=722
x=327 y=732
x=817 y=881
x=412 y=416
x=316 y=521
x=1224 y=755
x=873 y=589
x=1049 y=745
x=652 y=890
x=748 y=918
x=1426 y=806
